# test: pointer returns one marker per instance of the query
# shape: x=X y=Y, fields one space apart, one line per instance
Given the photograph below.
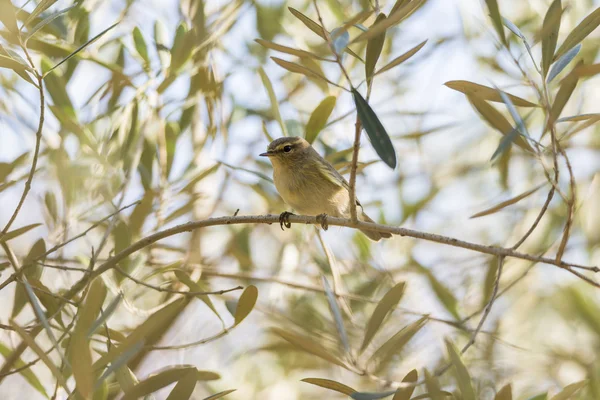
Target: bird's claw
x=284 y=220
x=322 y=219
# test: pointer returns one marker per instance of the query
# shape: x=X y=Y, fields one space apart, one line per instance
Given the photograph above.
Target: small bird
x=310 y=184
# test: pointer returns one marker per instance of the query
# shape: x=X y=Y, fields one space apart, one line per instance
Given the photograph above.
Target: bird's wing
x=331 y=174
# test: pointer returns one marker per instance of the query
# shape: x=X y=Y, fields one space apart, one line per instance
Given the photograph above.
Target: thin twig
x=571 y=205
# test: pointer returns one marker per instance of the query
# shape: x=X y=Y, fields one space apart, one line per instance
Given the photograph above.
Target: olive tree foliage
x=139 y=253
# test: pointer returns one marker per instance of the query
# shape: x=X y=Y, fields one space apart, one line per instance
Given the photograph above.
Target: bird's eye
x=287 y=149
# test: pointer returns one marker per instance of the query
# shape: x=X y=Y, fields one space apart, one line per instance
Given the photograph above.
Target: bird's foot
x=284 y=220
x=322 y=219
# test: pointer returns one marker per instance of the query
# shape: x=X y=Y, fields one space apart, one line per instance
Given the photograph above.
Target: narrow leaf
x=105 y=314
x=569 y=390
x=394 y=18
x=273 y=99
x=121 y=361
x=506 y=203
x=371 y=396
x=406 y=393
x=550 y=28
x=563 y=62
x=433 y=387
x=374 y=47
x=318 y=118
x=513 y=28
x=40 y=8
x=299 y=69
x=486 y=93
x=514 y=113
x=395 y=344
x=377 y=134
x=195 y=287
x=308 y=345
x=492 y=6
x=8 y=16
x=140 y=45
x=159 y=380
x=245 y=303
x=39 y=312
x=17 y=232
x=331 y=385
x=581 y=117
x=340 y=39
x=585 y=27
x=505 y=393
x=220 y=394
x=337 y=314
x=289 y=50
x=385 y=306
x=400 y=59
x=462 y=374
x=26 y=373
x=46 y=21
x=567 y=87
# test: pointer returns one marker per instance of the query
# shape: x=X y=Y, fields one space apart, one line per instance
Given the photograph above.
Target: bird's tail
x=373 y=235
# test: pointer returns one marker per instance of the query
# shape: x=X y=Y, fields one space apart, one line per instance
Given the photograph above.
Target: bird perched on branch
x=310 y=184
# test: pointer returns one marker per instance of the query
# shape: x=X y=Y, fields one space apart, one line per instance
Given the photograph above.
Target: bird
x=310 y=184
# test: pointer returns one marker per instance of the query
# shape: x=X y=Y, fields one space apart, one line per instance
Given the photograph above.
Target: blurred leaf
x=504 y=204
x=569 y=390
x=551 y=28
x=371 y=396
x=8 y=16
x=395 y=344
x=10 y=63
x=140 y=213
x=83 y=46
x=340 y=39
x=160 y=43
x=26 y=373
x=257 y=173
x=563 y=62
x=497 y=120
x=542 y=396
x=246 y=303
x=400 y=59
x=433 y=385
x=146 y=165
x=299 y=69
x=318 y=118
x=374 y=47
x=486 y=93
x=406 y=393
x=585 y=27
x=141 y=47
x=289 y=50
x=443 y=294
x=273 y=98
x=513 y=28
x=17 y=232
x=308 y=345
x=377 y=134
x=110 y=309
x=337 y=314
x=51 y=206
x=171 y=134
x=505 y=393
x=181 y=52
x=393 y=19
x=118 y=365
x=40 y=8
x=385 y=306
x=582 y=117
x=184 y=278
x=492 y=6
x=7 y=168
x=220 y=394
x=186 y=383
x=567 y=87
x=159 y=380
x=46 y=21
x=331 y=385
x=398 y=4
x=462 y=374
x=268 y=20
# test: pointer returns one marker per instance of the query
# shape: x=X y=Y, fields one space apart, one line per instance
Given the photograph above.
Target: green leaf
x=567 y=87
x=26 y=373
x=331 y=385
x=395 y=344
x=492 y=6
x=462 y=374
x=337 y=314
x=159 y=380
x=273 y=99
x=377 y=134
x=406 y=393
x=83 y=46
x=581 y=117
x=585 y=27
x=140 y=46
x=486 y=93
x=550 y=28
x=184 y=278
x=40 y=8
x=385 y=306
x=506 y=203
x=394 y=18
x=300 y=69
x=400 y=59
x=31 y=32
x=505 y=393
x=17 y=232
x=8 y=16
x=185 y=386
x=289 y=50
x=246 y=303
x=160 y=43
x=318 y=118
x=220 y=394
x=570 y=390
x=308 y=345
x=563 y=62
x=374 y=47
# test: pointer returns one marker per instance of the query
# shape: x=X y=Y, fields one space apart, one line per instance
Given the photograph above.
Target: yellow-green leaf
x=289 y=50
x=567 y=87
x=433 y=387
x=374 y=47
x=569 y=390
x=395 y=18
x=195 y=287
x=26 y=373
x=8 y=16
x=400 y=59
x=318 y=118
x=406 y=393
x=159 y=380
x=273 y=99
x=486 y=93
x=506 y=203
x=17 y=232
x=331 y=385
x=220 y=394
x=245 y=303
x=494 y=10
x=185 y=386
x=395 y=344
x=462 y=374
x=140 y=46
x=309 y=345
x=505 y=393
x=298 y=69
x=385 y=306
x=550 y=27
x=580 y=32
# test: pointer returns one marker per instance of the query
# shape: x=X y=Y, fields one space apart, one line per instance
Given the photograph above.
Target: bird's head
x=287 y=151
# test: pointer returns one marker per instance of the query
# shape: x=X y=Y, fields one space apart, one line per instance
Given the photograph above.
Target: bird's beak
x=267 y=154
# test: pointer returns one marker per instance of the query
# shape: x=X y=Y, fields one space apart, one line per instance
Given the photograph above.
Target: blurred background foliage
x=153 y=115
